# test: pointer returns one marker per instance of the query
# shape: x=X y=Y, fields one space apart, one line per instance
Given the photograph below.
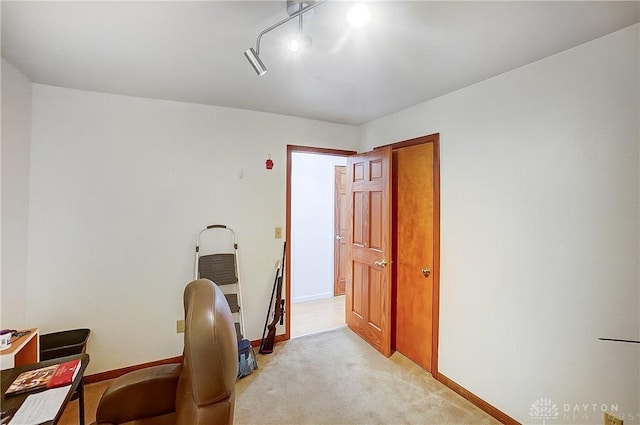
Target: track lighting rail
x=253 y=56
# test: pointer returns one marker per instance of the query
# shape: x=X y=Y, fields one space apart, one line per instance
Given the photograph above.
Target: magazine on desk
x=45 y=377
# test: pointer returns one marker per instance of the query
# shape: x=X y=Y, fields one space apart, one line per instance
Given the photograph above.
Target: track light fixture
x=253 y=55
x=254 y=60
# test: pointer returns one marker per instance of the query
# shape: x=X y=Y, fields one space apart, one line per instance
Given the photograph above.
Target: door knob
x=382 y=263
x=338 y=237
x=426 y=271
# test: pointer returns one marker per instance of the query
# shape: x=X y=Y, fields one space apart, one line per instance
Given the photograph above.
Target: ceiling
x=410 y=52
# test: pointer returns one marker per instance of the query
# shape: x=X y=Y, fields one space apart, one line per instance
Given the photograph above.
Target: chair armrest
x=140 y=394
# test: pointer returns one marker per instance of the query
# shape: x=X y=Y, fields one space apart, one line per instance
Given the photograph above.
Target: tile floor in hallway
x=315 y=316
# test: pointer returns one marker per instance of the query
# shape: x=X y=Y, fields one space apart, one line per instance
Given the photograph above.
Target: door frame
x=435 y=317
x=290 y=150
x=431 y=138
x=337 y=260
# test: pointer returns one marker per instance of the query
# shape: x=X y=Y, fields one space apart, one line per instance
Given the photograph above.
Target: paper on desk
x=40 y=407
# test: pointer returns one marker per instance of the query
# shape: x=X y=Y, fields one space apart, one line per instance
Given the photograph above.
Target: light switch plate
x=180 y=326
x=278 y=232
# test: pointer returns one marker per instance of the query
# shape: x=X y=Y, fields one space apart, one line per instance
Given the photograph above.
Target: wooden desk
x=12 y=403
x=23 y=351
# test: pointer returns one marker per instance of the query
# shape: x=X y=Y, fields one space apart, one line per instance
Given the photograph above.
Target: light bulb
x=358 y=15
x=293 y=45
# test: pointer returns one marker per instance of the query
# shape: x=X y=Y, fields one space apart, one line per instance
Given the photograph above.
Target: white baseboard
x=313 y=297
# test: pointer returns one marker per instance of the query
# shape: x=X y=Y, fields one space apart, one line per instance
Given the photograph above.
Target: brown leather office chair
x=200 y=390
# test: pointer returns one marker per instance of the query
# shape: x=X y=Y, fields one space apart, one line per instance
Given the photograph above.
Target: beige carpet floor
x=336 y=378
x=332 y=378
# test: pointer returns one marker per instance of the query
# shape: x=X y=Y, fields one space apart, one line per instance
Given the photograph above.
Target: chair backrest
x=206 y=389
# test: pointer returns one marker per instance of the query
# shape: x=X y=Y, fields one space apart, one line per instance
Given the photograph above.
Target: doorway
x=427 y=283
x=393 y=248
x=416 y=250
x=314 y=305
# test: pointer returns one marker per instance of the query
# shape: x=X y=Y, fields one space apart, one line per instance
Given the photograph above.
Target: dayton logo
x=544 y=409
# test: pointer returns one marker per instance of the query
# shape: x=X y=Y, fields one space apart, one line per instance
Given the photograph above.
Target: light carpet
x=336 y=378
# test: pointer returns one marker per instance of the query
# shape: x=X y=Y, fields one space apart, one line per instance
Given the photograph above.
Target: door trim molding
x=435 y=139
x=290 y=150
x=337 y=264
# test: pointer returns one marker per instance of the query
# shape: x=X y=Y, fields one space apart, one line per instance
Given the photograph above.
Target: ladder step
x=238 y=334
x=232 y=299
x=219 y=268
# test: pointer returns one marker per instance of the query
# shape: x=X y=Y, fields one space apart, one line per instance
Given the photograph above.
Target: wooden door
x=414 y=214
x=368 y=288
x=340 y=231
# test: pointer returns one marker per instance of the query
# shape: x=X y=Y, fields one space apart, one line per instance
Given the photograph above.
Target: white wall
x=312 y=225
x=540 y=209
x=16 y=141
x=539 y=229
x=120 y=188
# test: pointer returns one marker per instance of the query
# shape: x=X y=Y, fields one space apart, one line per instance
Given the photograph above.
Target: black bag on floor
x=246 y=358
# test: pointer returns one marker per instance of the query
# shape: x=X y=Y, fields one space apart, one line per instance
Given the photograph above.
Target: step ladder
x=222 y=268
